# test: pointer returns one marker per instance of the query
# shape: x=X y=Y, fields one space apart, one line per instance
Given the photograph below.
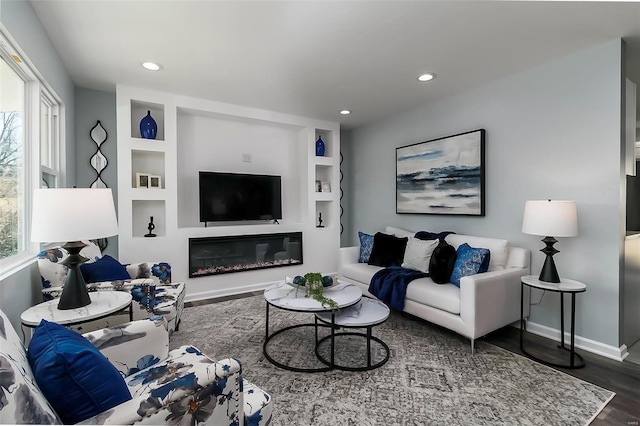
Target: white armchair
x=181 y=386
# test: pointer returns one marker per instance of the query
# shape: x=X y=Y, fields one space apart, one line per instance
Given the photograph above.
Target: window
x=31 y=152
x=12 y=164
x=49 y=157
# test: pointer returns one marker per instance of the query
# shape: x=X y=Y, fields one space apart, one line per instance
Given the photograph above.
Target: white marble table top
x=363 y=314
x=102 y=304
x=565 y=285
x=293 y=298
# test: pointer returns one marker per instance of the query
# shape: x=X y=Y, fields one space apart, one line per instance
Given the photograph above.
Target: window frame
x=36 y=88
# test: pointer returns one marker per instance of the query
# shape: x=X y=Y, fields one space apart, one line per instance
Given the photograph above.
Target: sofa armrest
x=161 y=270
x=209 y=390
x=347 y=256
x=491 y=300
x=133 y=346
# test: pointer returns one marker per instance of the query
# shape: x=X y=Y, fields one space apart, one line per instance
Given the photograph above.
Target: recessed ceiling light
x=345 y=112
x=426 y=77
x=152 y=66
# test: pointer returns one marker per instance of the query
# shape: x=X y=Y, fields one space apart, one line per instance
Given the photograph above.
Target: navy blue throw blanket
x=390 y=285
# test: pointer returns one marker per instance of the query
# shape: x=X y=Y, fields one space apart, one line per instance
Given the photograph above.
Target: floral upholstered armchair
x=149 y=283
x=183 y=386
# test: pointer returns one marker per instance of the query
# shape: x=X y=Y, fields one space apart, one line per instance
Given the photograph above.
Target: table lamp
x=550 y=218
x=73 y=214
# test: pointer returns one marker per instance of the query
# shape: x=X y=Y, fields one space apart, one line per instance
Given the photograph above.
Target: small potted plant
x=314 y=284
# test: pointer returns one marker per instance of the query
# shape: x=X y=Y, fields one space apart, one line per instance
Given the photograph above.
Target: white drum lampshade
x=550 y=218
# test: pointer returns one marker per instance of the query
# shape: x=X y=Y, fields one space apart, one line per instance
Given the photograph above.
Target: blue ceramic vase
x=148 y=127
x=319 y=147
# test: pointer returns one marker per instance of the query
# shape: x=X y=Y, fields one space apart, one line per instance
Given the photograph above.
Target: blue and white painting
x=442 y=176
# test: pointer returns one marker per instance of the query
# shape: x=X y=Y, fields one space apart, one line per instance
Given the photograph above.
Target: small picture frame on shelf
x=155 y=182
x=318 y=186
x=326 y=186
x=142 y=180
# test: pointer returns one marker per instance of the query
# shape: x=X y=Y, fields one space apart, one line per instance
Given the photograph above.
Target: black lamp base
x=549 y=273
x=74 y=294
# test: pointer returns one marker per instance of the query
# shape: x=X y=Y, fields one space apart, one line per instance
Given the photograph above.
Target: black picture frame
x=444 y=176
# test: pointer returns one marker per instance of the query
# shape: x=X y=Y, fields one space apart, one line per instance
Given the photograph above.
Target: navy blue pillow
x=387 y=250
x=104 y=269
x=426 y=235
x=442 y=261
x=77 y=380
x=469 y=261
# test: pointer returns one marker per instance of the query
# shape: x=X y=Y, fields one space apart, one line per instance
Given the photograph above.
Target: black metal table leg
x=561 y=320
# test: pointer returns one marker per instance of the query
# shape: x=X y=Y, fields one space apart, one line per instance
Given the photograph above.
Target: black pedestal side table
x=564 y=286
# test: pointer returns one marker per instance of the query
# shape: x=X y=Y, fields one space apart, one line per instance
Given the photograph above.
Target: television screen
x=234 y=197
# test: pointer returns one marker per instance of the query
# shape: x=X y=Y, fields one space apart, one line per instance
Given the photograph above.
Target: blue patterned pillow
x=469 y=261
x=366 y=244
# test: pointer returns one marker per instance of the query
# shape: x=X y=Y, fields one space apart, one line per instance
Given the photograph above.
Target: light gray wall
x=344 y=187
x=552 y=132
x=91 y=106
x=22 y=289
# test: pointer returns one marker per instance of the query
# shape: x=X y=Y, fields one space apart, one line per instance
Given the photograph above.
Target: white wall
x=218 y=145
x=552 y=132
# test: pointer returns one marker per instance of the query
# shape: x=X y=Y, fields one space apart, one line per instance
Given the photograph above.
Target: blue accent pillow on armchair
x=77 y=380
x=104 y=269
x=366 y=244
x=469 y=261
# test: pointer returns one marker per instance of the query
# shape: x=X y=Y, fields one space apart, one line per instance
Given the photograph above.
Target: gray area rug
x=430 y=379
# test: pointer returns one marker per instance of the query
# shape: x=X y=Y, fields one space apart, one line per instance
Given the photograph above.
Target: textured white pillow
x=418 y=254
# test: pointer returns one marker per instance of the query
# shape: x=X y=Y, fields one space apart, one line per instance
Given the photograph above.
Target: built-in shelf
x=199 y=135
x=142 y=211
x=139 y=110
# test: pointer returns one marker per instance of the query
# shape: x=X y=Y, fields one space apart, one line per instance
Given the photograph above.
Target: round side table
x=564 y=286
x=103 y=304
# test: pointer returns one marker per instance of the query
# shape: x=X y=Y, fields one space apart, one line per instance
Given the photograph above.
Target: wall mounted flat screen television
x=226 y=197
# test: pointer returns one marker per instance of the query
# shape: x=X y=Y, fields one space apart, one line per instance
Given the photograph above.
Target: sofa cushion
x=469 y=261
x=445 y=297
x=74 y=376
x=104 y=269
x=418 y=254
x=398 y=232
x=21 y=400
x=360 y=272
x=387 y=250
x=499 y=248
x=366 y=244
x=442 y=261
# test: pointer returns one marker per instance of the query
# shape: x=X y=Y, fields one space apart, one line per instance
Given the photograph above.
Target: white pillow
x=401 y=233
x=418 y=254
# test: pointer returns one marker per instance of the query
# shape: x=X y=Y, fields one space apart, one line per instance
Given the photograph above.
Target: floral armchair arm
x=160 y=270
x=133 y=346
x=189 y=388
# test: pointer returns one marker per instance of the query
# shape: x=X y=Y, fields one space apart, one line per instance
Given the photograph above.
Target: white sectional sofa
x=484 y=302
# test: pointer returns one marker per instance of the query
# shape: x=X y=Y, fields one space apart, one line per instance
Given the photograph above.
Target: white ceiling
x=313 y=58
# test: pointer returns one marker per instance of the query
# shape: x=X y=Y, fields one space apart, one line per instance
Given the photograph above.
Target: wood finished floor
x=623 y=378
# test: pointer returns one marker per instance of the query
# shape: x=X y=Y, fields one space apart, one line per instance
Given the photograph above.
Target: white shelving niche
x=200 y=135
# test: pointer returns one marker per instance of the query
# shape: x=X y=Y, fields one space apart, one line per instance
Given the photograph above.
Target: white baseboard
x=598 y=348
x=213 y=294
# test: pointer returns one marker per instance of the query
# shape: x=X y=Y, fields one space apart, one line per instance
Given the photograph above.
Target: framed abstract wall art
x=442 y=176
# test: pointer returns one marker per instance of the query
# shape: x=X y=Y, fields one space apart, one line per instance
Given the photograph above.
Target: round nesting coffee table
x=289 y=298
x=365 y=314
